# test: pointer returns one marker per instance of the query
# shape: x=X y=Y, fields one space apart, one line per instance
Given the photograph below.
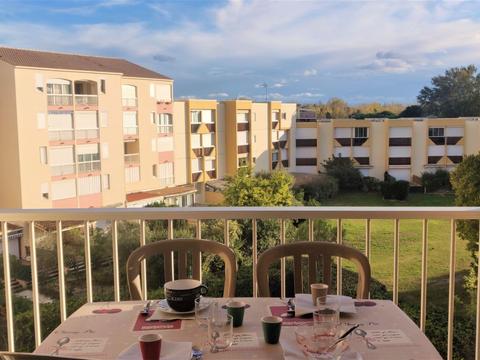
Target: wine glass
x=220 y=330
x=326 y=319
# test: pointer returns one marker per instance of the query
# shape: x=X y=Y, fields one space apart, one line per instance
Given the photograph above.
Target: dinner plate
x=163 y=307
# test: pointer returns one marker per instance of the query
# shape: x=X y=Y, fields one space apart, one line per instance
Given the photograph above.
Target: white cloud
x=186 y=97
x=307 y=95
x=310 y=72
x=390 y=62
x=219 y=94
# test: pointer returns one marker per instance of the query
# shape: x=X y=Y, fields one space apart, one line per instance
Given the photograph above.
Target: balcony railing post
x=339 y=260
x=88 y=263
x=254 y=256
x=451 y=289
x=61 y=272
x=282 y=262
x=423 y=285
x=8 y=288
x=226 y=233
x=477 y=334
x=198 y=231
x=116 y=270
x=170 y=237
x=143 y=266
x=396 y=248
x=310 y=229
x=35 y=294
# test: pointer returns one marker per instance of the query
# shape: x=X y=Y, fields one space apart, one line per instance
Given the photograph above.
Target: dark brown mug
x=181 y=294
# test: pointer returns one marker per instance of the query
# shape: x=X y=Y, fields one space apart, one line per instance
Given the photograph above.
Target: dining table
x=106 y=329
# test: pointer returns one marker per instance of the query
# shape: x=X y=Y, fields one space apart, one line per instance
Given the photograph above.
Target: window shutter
x=106 y=182
x=154 y=145
x=152 y=90
x=41 y=121
x=43 y=155
x=103 y=119
x=105 y=152
x=39 y=82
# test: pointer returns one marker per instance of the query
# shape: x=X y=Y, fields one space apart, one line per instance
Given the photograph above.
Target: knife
x=343 y=337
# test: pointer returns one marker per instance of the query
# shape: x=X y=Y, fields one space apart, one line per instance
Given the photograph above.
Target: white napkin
x=158 y=314
x=171 y=350
x=303 y=304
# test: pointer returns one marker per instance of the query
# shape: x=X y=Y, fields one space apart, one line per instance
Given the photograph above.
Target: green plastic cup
x=271 y=325
x=236 y=309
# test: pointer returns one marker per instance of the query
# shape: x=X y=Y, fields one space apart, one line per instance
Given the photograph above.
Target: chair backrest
x=183 y=246
x=314 y=251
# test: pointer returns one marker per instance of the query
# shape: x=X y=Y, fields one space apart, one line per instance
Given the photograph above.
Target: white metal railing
x=198 y=214
x=89 y=166
x=60 y=170
x=132 y=158
x=82 y=134
x=86 y=100
x=130 y=130
x=166 y=181
x=129 y=101
x=60 y=100
x=60 y=135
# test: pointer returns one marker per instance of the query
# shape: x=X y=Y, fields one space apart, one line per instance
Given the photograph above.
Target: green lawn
x=410 y=245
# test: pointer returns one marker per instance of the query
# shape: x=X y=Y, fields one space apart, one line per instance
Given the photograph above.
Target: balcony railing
x=197 y=215
x=60 y=170
x=129 y=102
x=164 y=129
x=130 y=130
x=85 y=134
x=60 y=135
x=89 y=166
x=167 y=181
x=59 y=100
x=132 y=159
x=91 y=100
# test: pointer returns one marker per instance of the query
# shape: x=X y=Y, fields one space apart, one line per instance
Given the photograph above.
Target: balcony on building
x=86 y=94
x=59 y=94
x=129 y=97
x=131 y=153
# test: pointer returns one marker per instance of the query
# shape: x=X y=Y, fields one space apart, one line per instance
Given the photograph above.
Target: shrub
x=371 y=184
x=320 y=189
x=400 y=189
x=435 y=181
x=342 y=169
x=397 y=190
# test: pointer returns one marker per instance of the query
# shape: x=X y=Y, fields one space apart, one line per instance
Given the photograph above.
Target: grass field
x=410 y=245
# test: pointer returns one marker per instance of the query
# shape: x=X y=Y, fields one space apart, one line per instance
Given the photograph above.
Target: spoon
x=363 y=333
x=60 y=342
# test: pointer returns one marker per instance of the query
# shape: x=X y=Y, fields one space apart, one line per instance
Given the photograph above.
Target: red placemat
x=142 y=325
x=292 y=321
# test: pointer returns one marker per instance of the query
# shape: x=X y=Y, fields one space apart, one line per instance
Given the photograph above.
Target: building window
x=165 y=123
x=275 y=156
x=154 y=170
x=44 y=190
x=103 y=86
x=106 y=182
x=242 y=162
x=436 y=132
x=196 y=117
x=361 y=132
x=254 y=160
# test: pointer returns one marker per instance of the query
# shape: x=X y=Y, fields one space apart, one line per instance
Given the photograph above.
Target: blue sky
x=306 y=51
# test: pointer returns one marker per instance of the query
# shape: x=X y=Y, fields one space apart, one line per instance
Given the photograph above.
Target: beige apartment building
x=405 y=148
x=87 y=131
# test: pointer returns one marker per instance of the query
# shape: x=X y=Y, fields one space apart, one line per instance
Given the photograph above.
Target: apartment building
x=87 y=131
x=405 y=148
x=82 y=131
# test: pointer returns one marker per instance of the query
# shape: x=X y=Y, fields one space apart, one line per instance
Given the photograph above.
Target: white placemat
x=304 y=305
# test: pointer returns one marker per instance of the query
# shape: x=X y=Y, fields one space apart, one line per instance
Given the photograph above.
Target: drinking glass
x=202 y=315
x=220 y=330
x=326 y=320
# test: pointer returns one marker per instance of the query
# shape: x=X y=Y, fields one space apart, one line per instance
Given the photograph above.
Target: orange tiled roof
x=51 y=60
x=166 y=192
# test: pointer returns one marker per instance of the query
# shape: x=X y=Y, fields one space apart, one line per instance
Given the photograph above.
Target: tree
x=412 y=111
x=342 y=169
x=262 y=189
x=465 y=181
x=457 y=93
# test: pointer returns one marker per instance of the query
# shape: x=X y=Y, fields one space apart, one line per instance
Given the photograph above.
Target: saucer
x=163 y=307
